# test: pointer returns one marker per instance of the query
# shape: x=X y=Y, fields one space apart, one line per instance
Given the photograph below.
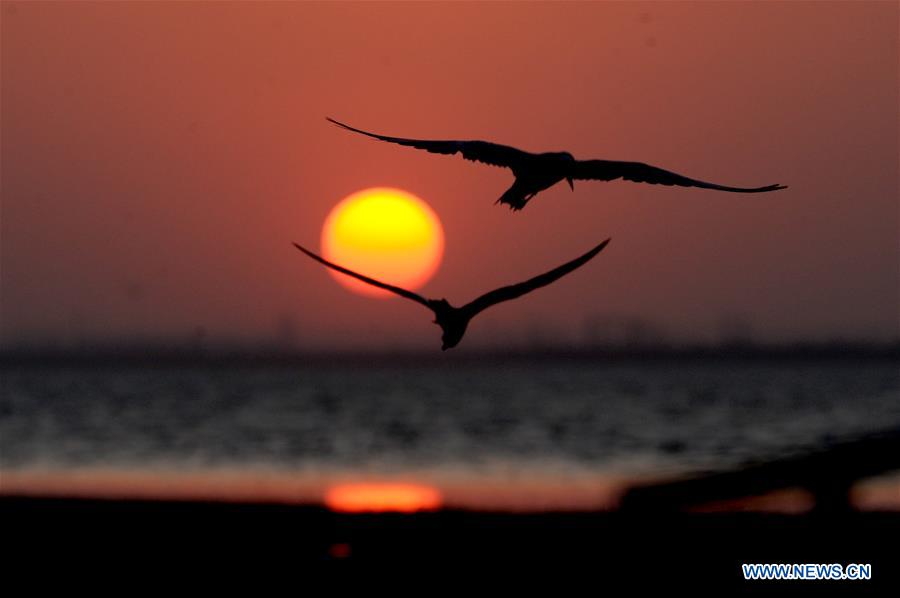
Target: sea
x=505 y=434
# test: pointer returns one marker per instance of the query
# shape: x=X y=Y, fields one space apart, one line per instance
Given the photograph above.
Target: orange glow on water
x=403 y=498
x=384 y=233
x=340 y=551
x=540 y=492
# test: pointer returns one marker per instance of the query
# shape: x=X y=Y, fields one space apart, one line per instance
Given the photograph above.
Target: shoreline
x=158 y=355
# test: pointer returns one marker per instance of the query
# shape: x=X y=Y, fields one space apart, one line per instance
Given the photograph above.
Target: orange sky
x=159 y=158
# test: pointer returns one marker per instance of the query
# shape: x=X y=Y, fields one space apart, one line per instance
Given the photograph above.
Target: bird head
x=568 y=158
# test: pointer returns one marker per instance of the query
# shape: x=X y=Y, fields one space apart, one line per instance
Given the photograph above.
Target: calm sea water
x=631 y=418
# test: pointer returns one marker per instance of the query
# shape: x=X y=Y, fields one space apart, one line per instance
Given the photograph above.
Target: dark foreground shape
x=827 y=474
x=537 y=172
x=90 y=540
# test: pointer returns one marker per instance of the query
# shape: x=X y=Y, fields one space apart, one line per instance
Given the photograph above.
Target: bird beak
x=571 y=183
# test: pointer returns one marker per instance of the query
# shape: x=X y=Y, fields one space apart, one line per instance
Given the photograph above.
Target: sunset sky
x=158 y=159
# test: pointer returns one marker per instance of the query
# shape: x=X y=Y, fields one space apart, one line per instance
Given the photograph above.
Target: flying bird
x=454 y=320
x=536 y=172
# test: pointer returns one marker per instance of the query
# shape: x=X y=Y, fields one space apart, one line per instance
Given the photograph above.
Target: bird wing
x=402 y=292
x=610 y=170
x=477 y=151
x=517 y=290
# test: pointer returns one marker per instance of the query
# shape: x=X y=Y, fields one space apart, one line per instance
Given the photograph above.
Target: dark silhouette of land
x=173 y=540
x=454 y=320
x=536 y=172
x=151 y=354
x=143 y=354
x=827 y=474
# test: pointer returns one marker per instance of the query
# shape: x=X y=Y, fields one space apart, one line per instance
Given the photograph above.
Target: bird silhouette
x=454 y=320
x=536 y=172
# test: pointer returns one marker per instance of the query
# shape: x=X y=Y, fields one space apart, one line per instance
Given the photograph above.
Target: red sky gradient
x=159 y=158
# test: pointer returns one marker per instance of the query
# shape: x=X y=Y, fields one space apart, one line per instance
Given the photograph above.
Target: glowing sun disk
x=384 y=233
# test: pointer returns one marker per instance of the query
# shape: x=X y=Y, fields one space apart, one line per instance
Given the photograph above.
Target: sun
x=384 y=233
